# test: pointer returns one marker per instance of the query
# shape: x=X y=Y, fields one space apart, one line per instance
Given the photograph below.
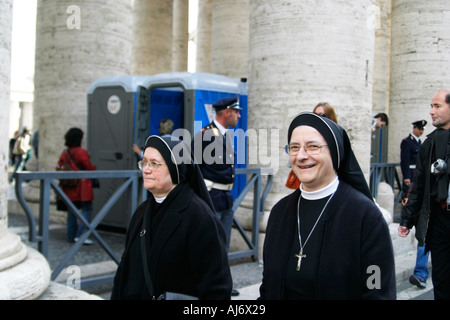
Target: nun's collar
x=321 y=193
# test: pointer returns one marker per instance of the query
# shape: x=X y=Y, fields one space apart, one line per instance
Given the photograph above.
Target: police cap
x=420 y=124
x=227 y=103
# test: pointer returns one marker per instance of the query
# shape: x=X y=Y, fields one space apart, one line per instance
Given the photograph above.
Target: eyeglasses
x=152 y=165
x=311 y=149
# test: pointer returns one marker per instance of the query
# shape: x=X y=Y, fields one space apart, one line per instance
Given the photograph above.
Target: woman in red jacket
x=81 y=194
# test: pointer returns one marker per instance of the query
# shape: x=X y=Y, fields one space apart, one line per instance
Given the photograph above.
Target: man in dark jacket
x=428 y=208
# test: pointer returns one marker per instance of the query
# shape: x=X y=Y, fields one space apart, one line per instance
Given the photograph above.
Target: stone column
x=24 y=273
x=381 y=13
x=301 y=53
x=75 y=45
x=5 y=79
x=420 y=64
x=230 y=31
x=152 y=30
x=180 y=35
x=203 y=36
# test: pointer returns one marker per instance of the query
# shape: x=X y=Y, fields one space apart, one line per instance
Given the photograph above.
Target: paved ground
x=94 y=261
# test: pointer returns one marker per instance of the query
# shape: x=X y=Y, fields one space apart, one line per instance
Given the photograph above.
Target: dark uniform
x=409 y=150
x=218 y=173
x=217 y=165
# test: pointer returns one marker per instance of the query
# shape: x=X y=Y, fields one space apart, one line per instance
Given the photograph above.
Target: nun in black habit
x=176 y=229
x=328 y=239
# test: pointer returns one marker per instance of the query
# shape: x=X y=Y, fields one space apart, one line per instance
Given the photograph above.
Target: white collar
x=415 y=137
x=160 y=200
x=321 y=193
x=221 y=128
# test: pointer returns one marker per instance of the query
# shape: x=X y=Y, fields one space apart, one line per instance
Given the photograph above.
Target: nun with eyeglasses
x=327 y=240
x=175 y=246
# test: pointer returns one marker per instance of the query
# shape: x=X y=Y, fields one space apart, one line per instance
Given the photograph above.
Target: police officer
x=409 y=150
x=217 y=160
x=217 y=163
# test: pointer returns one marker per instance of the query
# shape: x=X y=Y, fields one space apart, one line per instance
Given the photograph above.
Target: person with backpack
x=80 y=192
x=21 y=152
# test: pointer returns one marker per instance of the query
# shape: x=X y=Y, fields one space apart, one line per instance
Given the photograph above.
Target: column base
x=25 y=273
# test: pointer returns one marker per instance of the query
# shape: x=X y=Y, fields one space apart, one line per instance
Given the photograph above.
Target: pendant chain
x=300 y=255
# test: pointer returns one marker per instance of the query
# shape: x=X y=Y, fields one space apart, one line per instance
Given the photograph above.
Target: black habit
x=186 y=252
x=352 y=241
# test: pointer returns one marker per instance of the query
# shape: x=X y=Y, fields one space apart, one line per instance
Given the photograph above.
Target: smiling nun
x=328 y=239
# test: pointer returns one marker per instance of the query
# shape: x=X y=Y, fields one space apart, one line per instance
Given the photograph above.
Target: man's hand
x=403 y=231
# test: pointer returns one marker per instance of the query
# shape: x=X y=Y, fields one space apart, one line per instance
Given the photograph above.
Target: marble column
x=24 y=273
x=230 y=32
x=180 y=35
x=203 y=36
x=301 y=53
x=420 y=64
x=381 y=19
x=152 y=30
x=76 y=44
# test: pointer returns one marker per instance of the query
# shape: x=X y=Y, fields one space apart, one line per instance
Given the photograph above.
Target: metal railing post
x=44 y=216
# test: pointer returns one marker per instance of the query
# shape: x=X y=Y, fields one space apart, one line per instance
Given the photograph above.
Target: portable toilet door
x=187 y=99
x=118 y=113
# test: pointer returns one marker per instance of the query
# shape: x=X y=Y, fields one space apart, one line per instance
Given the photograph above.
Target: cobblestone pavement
x=245 y=272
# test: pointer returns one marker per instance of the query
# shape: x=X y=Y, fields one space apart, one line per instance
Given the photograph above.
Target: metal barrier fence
x=39 y=230
x=388 y=173
x=259 y=199
x=49 y=180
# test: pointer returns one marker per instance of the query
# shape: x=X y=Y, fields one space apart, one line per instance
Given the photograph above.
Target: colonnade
x=361 y=56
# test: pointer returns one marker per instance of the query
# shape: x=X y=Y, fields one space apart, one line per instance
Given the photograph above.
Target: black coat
x=355 y=237
x=187 y=254
x=417 y=210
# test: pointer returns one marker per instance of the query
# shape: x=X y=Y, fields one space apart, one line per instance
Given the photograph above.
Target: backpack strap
x=76 y=163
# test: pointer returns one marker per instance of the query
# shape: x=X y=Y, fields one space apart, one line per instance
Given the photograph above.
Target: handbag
x=95 y=182
x=67 y=183
x=166 y=295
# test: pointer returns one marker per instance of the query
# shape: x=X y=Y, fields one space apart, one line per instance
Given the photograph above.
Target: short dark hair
x=447 y=98
x=73 y=137
x=383 y=116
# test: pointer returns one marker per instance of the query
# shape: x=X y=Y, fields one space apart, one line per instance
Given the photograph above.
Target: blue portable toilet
x=125 y=110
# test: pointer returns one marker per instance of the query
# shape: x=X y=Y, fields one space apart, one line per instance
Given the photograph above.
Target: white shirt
x=417 y=138
x=221 y=128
